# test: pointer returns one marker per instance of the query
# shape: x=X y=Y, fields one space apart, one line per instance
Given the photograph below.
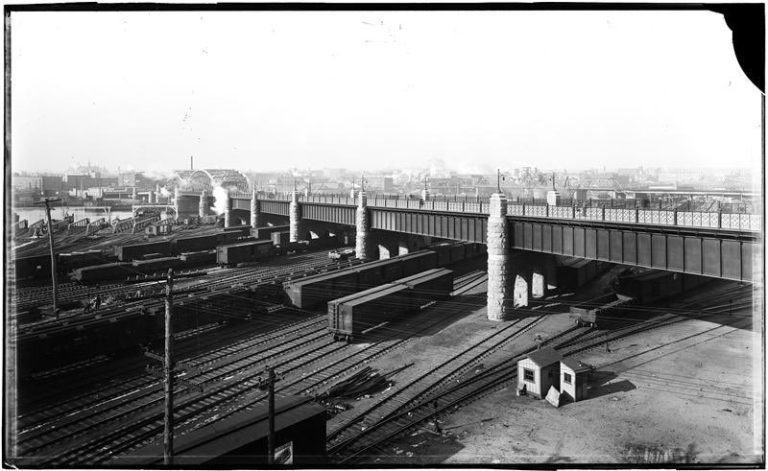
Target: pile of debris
x=364 y=383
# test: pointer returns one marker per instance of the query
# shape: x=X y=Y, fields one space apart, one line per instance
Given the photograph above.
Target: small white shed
x=573 y=379
x=540 y=370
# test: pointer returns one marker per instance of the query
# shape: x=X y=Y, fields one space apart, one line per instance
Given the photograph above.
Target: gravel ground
x=682 y=394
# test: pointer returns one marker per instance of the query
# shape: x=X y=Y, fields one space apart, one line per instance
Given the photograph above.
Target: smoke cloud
x=220 y=200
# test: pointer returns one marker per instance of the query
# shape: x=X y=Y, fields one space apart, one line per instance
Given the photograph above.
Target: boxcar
x=70 y=261
x=364 y=312
x=334 y=306
x=650 y=286
x=574 y=272
x=430 y=285
x=281 y=238
x=35 y=266
x=126 y=253
x=195 y=244
x=148 y=267
x=242 y=252
x=265 y=232
x=205 y=257
x=107 y=271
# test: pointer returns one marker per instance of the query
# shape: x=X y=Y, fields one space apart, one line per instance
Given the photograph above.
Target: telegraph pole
x=47 y=202
x=168 y=373
x=271 y=415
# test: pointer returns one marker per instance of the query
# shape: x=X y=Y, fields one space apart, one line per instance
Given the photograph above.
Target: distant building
x=44 y=184
x=135 y=179
x=379 y=183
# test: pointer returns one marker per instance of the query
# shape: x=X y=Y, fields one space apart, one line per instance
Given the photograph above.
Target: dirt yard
x=681 y=394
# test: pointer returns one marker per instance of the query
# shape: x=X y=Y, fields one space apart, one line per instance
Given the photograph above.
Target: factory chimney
x=191 y=162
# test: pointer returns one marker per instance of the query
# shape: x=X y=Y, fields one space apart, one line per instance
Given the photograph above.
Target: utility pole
x=47 y=202
x=168 y=373
x=271 y=415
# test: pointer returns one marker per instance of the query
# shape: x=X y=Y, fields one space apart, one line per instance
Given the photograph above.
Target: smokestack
x=191 y=162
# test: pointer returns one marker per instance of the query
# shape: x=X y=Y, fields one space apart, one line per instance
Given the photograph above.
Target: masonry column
x=202 y=208
x=255 y=214
x=228 y=211
x=294 y=213
x=363 y=244
x=498 y=258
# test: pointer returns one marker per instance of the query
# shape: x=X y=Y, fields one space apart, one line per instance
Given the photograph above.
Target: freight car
x=231 y=255
x=195 y=243
x=196 y=259
x=291 y=247
x=281 y=238
x=592 y=311
x=34 y=266
x=352 y=315
x=148 y=267
x=312 y=291
x=126 y=253
x=71 y=261
x=265 y=233
x=652 y=285
x=634 y=288
x=106 y=271
x=39 y=266
x=341 y=255
x=574 y=272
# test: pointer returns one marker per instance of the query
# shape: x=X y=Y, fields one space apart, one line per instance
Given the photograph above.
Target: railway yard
x=409 y=372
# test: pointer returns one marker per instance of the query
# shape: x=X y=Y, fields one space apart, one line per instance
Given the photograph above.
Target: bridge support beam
x=498 y=259
x=228 y=212
x=255 y=214
x=294 y=213
x=364 y=246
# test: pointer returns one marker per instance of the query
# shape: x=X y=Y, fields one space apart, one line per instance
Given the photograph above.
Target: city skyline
x=377 y=90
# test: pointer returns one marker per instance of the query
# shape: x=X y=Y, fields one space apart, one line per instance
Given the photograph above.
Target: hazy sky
x=476 y=90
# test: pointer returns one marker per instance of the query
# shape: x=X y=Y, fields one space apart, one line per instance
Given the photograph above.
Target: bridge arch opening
x=520 y=293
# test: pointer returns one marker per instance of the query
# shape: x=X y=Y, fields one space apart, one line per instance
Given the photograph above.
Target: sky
x=473 y=91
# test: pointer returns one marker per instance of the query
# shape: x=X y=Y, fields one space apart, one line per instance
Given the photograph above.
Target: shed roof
x=545 y=356
x=574 y=364
x=223 y=436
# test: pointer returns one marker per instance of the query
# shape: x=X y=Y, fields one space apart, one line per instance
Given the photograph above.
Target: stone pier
x=202 y=209
x=294 y=213
x=228 y=212
x=498 y=259
x=363 y=244
x=255 y=214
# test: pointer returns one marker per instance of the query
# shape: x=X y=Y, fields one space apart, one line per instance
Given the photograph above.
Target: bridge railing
x=586 y=211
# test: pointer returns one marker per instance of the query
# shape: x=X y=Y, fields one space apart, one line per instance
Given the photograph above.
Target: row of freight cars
x=313 y=291
x=39 y=266
x=634 y=288
x=246 y=250
x=353 y=315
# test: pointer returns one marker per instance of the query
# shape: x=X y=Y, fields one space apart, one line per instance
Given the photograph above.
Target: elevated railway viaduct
x=713 y=244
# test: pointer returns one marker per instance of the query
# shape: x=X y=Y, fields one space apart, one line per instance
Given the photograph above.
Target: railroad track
x=85 y=431
x=474 y=387
x=243 y=388
x=91 y=398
